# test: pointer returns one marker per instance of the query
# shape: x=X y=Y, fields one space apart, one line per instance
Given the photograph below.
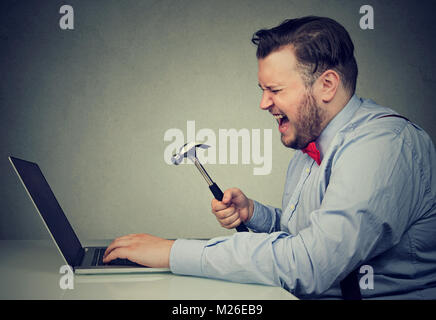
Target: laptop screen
x=49 y=209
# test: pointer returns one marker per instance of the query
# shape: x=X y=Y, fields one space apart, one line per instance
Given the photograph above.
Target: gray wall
x=92 y=105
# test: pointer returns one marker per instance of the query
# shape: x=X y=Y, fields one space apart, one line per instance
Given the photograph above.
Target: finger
x=236 y=223
x=228 y=195
x=121 y=253
x=222 y=214
x=229 y=221
x=117 y=243
x=218 y=205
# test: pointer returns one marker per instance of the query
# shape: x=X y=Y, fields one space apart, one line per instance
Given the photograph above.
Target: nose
x=266 y=102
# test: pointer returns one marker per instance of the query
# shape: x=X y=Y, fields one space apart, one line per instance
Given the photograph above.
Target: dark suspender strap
x=398 y=116
x=350 y=287
x=393 y=115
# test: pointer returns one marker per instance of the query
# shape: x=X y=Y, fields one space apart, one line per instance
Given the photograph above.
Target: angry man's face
x=287 y=98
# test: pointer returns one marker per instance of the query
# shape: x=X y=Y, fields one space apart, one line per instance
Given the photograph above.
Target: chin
x=295 y=142
x=289 y=142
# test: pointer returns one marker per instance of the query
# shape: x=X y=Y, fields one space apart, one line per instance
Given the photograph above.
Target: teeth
x=279 y=116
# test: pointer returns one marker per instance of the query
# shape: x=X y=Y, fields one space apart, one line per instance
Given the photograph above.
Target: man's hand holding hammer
x=233 y=209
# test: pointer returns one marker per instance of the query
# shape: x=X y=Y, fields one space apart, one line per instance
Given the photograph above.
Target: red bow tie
x=313 y=152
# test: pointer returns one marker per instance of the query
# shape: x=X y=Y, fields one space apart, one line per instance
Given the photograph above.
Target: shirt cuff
x=256 y=218
x=185 y=257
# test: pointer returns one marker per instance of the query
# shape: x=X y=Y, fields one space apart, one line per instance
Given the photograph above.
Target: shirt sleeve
x=365 y=210
x=265 y=218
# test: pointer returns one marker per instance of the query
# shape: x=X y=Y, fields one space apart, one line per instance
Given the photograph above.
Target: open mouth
x=283 y=122
x=280 y=118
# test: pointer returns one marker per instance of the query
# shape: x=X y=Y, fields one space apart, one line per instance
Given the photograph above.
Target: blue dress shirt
x=370 y=205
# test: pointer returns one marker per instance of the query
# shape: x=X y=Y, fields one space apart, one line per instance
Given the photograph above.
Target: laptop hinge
x=79 y=258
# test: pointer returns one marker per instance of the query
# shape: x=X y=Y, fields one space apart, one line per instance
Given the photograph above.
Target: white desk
x=30 y=270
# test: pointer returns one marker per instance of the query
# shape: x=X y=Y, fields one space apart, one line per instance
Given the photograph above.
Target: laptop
x=86 y=260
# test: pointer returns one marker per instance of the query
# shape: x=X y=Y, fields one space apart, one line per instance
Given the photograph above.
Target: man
x=361 y=192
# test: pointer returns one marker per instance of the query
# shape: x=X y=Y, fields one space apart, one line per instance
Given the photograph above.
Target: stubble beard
x=308 y=125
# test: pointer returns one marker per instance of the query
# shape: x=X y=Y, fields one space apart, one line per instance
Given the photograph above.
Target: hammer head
x=187 y=150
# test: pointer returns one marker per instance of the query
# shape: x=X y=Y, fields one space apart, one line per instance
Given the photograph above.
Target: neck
x=335 y=106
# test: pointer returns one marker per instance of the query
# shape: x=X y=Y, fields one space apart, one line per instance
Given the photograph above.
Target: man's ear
x=327 y=84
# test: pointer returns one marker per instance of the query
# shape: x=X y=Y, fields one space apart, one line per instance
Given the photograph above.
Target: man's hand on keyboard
x=143 y=249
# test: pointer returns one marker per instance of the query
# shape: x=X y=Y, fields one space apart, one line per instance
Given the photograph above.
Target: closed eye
x=270 y=89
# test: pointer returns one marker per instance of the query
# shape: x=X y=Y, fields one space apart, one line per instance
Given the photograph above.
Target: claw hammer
x=188 y=150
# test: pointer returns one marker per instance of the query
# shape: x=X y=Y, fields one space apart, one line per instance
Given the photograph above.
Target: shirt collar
x=339 y=121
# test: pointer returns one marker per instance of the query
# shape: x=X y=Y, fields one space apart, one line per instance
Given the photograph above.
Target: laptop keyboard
x=97 y=260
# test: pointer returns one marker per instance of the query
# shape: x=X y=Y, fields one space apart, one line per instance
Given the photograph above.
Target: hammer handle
x=218 y=194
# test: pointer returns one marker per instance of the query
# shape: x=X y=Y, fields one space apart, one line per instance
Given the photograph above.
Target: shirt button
x=292 y=207
x=307 y=170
